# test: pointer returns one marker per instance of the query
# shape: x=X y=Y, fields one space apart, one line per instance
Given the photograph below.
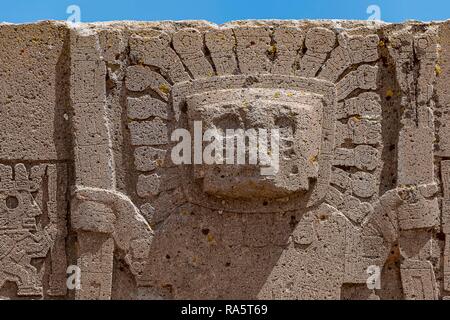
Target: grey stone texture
x=87 y=180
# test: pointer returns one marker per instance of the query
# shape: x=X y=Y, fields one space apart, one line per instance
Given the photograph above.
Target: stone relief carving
x=26 y=195
x=104 y=218
x=311 y=230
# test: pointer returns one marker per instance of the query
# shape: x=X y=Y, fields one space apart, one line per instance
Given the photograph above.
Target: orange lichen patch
x=184 y=212
x=356 y=118
x=313 y=159
x=210 y=238
x=389 y=93
x=272 y=50
x=438 y=70
x=381 y=43
x=164 y=88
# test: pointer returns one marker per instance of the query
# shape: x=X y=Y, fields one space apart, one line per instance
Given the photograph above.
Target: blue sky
x=219 y=11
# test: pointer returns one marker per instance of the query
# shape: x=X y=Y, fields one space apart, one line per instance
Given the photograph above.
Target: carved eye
x=228 y=121
x=372 y=41
x=287 y=128
x=12 y=202
x=285 y=124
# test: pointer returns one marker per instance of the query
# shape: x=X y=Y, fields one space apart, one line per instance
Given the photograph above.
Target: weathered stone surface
x=91 y=115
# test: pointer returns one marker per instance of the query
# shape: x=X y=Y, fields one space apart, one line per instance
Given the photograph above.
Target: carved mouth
x=240 y=185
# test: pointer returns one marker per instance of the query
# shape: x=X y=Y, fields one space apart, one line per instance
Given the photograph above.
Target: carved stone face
x=296 y=114
x=18 y=210
x=301 y=109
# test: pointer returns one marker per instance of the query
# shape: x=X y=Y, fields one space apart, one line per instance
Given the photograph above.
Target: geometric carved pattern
x=24 y=195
